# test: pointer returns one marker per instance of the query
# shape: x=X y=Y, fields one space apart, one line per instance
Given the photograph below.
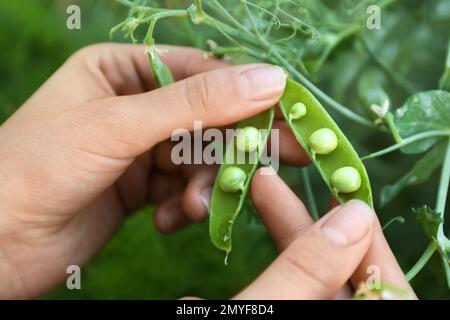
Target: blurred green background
x=140 y=262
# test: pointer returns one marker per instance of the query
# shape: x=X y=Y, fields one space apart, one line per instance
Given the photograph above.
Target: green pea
x=346 y=180
x=232 y=179
x=225 y=206
x=323 y=141
x=319 y=135
x=297 y=111
x=247 y=139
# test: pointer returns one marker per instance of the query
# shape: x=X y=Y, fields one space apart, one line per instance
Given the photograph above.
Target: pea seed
x=323 y=141
x=247 y=139
x=346 y=180
x=297 y=111
x=232 y=179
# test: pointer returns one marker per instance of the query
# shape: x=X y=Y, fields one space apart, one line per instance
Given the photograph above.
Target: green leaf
x=424 y=111
x=420 y=173
x=429 y=219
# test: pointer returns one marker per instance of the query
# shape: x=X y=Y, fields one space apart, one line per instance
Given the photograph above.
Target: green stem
x=322 y=95
x=201 y=17
x=407 y=141
x=389 y=120
x=444 y=83
x=442 y=241
x=398 y=219
x=440 y=207
x=309 y=193
x=444 y=181
x=166 y=14
x=250 y=17
x=346 y=33
x=126 y=3
x=397 y=78
x=422 y=261
x=446 y=270
x=217 y=6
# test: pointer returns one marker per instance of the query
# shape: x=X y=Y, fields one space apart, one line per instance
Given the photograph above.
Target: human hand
x=319 y=260
x=79 y=154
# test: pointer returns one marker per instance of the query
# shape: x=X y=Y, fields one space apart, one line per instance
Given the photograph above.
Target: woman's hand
x=320 y=260
x=90 y=146
x=80 y=154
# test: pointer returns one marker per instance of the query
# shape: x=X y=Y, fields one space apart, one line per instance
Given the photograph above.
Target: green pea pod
x=342 y=156
x=161 y=72
x=225 y=206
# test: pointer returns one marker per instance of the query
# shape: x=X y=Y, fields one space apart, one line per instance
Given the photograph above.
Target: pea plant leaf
x=420 y=173
x=424 y=111
x=429 y=219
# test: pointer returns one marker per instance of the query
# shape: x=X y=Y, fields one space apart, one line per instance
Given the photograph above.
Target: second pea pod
x=327 y=146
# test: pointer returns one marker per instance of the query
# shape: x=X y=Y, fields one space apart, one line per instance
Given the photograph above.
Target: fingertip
x=349 y=223
x=169 y=216
x=262 y=177
x=197 y=195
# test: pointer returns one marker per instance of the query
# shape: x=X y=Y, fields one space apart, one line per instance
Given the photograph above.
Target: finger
x=197 y=195
x=332 y=203
x=290 y=151
x=127 y=69
x=163 y=186
x=191 y=298
x=279 y=114
x=110 y=69
x=162 y=157
x=380 y=264
x=283 y=214
x=129 y=125
x=320 y=261
x=169 y=217
x=131 y=186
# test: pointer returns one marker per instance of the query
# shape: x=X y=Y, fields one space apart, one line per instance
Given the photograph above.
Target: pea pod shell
x=161 y=72
x=317 y=118
x=225 y=206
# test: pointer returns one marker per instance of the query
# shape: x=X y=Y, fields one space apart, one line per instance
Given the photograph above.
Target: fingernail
x=205 y=197
x=262 y=82
x=267 y=171
x=349 y=224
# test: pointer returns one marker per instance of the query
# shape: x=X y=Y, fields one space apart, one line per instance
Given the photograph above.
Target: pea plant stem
x=309 y=193
x=422 y=261
x=398 y=219
x=258 y=41
x=322 y=95
x=440 y=207
x=397 y=78
x=407 y=141
x=444 y=182
x=126 y=3
x=389 y=120
x=167 y=14
x=217 y=6
x=441 y=242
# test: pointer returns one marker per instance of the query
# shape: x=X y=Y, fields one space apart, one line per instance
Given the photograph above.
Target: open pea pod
x=225 y=206
x=343 y=155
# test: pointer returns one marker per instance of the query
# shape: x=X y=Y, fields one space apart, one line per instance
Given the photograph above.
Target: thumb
x=319 y=262
x=216 y=98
